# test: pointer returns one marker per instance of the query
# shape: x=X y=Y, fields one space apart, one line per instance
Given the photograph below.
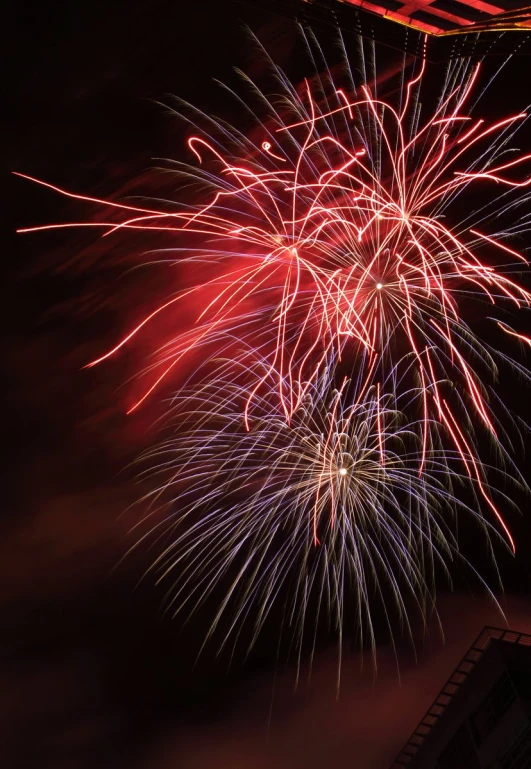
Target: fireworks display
x=328 y=508
x=341 y=267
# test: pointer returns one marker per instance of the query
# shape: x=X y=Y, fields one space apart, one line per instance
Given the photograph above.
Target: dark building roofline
x=498 y=37
x=453 y=685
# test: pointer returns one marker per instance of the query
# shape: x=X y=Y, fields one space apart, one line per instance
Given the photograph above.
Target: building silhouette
x=481 y=719
x=450 y=17
x=455 y=28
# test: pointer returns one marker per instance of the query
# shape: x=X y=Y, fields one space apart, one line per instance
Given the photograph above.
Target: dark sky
x=91 y=671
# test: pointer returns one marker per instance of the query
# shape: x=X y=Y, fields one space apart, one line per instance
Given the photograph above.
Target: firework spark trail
x=336 y=248
x=332 y=246
x=247 y=507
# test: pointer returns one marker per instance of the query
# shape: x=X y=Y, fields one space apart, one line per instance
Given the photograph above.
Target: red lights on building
x=450 y=17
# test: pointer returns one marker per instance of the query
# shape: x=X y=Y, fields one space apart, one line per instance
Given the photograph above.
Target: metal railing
x=453 y=685
x=479 y=39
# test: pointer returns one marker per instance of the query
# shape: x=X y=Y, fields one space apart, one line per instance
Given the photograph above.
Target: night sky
x=92 y=672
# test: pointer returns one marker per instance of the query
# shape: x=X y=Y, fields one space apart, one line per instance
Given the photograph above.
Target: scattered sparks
x=342 y=239
x=313 y=498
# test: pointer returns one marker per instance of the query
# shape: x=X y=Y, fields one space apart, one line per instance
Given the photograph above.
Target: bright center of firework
x=379 y=286
x=343 y=471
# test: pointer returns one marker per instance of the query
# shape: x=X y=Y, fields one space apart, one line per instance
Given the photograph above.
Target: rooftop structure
x=455 y=27
x=450 y=17
x=481 y=719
